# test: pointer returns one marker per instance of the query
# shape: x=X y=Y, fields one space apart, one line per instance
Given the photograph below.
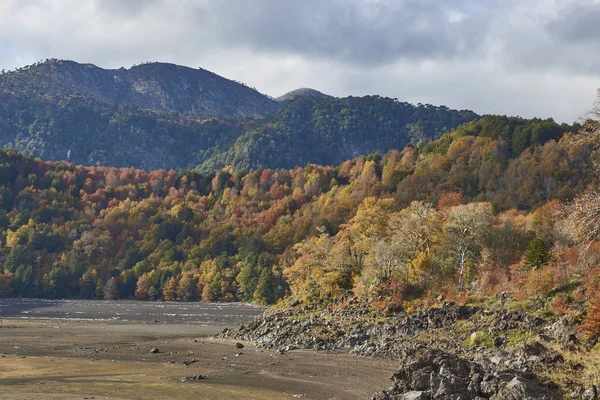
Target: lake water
x=130 y=311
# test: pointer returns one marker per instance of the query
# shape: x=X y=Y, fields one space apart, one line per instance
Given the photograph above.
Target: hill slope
x=90 y=132
x=67 y=231
x=154 y=86
x=330 y=130
x=155 y=116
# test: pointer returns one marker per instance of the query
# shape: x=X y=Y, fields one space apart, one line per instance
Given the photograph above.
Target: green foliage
x=515 y=336
x=517 y=132
x=61 y=110
x=91 y=132
x=100 y=232
x=536 y=254
x=478 y=339
x=329 y=131
x=264 y=288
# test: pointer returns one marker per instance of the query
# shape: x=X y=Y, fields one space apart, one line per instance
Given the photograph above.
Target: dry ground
x=74 y=359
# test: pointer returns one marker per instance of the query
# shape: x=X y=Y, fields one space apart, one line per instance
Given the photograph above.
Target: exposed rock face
x=436 y=375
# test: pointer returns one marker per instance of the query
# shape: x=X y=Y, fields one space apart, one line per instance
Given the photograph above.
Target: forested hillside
x=330 y=130
x=151 y=86
x=463 y=212
x=86 y=131
x=165 y=116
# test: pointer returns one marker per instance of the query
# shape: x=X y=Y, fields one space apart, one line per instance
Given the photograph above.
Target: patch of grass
x=300 y=316
x=588 y=375
x=545 y=314
x=522 y=305
x=568 y=287
x=463 y=326
x=516 y=336
x=478 y=339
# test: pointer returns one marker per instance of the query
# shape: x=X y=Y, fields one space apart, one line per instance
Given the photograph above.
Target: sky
x=529 y=58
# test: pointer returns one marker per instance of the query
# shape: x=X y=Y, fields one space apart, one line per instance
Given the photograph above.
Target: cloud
x=361 y=32
x=534 y=58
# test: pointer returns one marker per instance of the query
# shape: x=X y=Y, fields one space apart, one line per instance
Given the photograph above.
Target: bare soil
x=47 y=355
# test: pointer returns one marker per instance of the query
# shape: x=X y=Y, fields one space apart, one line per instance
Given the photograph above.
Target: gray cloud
x=578 y=23
x=362 y=32
x=533 y=58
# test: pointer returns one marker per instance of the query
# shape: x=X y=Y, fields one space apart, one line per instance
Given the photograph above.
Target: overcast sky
x=518 y=57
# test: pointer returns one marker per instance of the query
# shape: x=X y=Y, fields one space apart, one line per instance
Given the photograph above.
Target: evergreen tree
x=536 y=254
x=264 y=290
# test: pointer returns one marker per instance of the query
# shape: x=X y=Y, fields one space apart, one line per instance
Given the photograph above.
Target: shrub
x=396 y=290
x=540 y=282
x=493 y=281
x=591 y=324
x=560 y=304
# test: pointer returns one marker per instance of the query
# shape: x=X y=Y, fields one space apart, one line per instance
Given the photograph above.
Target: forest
x=163 y=116
x=498 y=204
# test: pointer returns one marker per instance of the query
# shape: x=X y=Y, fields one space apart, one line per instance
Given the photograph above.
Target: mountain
x=165 y=116
x=90 y=132
x=302 y=92
x=154 y=86
x=331 y=130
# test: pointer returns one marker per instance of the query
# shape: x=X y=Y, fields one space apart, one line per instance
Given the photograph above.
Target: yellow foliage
x=12 y=238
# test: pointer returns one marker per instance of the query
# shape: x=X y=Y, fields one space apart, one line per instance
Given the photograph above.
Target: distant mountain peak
x=153 y=86
x=302 y=92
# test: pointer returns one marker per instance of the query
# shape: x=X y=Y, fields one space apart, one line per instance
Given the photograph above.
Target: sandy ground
x=44 y=357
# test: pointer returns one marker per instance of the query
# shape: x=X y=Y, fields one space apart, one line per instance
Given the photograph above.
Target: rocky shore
x=447 y=352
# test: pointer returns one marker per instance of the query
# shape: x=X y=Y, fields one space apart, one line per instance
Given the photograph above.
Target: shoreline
x=112 y=360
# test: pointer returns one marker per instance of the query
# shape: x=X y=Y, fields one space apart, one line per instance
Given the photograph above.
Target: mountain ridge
x=165 y=116
x=156 y=86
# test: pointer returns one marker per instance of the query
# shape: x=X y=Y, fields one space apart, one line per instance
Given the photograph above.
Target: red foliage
x=397 y=290
x=591 y=324
x=449 y=200
x=493 y=281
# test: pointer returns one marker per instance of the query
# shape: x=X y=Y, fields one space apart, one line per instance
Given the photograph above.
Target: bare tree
x=467 y=225
x=591 y=123
x=584 y=216
x=584 y=211
x=111 y=289
x=594 y=112
x=388 y=257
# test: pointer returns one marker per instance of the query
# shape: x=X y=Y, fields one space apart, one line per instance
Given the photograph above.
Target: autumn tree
x=170 y=289
x=144 y=289
x=111 y=289
x=414 y=230
x=187 y=286
x=466 y=227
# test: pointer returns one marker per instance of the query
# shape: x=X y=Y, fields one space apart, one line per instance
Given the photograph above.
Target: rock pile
x=433 y=375
x=451 y=352
x=356 y=329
